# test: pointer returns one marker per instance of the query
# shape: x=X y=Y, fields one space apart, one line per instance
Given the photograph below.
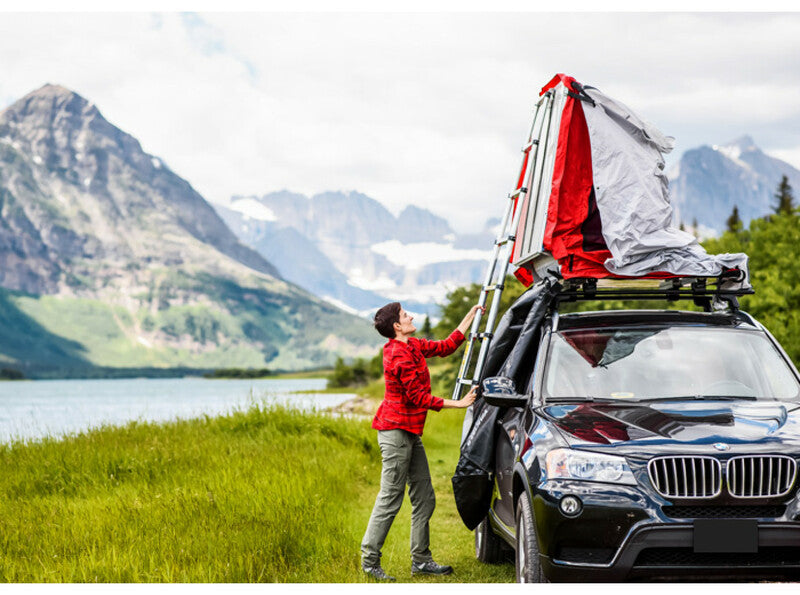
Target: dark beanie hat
x=385 y=319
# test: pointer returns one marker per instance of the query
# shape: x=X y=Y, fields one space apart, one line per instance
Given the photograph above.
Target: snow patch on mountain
x=250 y=207
x=417 y=255
x=341 y=305
x=434 y=294
x=732 y=152
x=358 y=278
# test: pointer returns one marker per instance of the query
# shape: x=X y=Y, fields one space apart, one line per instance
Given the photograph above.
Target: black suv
x=646 y=444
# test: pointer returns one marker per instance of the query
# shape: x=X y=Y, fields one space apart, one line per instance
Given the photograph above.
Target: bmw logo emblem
x=721 y=446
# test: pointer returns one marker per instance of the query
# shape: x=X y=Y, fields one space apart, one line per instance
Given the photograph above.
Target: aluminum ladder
x=503 y=246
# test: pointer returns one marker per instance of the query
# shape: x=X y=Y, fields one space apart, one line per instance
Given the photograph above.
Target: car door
x=505 y=455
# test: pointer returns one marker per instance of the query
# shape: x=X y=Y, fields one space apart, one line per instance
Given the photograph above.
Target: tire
x=488 y=546
x=529 y=570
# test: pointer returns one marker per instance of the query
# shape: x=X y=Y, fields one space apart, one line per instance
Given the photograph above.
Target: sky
x=429 y=109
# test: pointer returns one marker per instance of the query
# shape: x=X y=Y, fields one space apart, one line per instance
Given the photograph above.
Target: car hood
x=678 y=426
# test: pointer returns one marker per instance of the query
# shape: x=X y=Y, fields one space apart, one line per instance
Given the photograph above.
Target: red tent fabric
x=573 y=232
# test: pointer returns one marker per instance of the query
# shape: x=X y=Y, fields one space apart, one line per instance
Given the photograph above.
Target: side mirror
x=501 y=392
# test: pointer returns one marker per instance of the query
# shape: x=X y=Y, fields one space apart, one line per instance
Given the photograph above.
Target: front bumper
x=622 y=533
x=666 y=551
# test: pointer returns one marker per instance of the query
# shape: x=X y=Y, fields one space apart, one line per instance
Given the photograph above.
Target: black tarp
x=511 y=353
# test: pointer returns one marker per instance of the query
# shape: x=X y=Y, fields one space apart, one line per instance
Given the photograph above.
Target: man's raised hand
x=469 y=317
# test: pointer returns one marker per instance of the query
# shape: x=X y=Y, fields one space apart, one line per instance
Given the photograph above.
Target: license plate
x=725 y=536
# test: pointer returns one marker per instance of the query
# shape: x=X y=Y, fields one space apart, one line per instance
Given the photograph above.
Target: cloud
x=428 y=109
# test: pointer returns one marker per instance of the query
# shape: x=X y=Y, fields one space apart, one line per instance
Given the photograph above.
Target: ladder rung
x=517 y=192
x=499 y=286
x=482 y=336
x=530 y=144
x=467 y=381
x=505 y=240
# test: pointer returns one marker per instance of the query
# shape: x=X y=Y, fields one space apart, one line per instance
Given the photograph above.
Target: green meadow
x=263 y=495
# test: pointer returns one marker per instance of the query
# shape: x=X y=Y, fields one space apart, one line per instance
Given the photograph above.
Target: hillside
x=109 y=258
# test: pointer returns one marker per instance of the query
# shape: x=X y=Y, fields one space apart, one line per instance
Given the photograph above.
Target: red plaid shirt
x=408 y=382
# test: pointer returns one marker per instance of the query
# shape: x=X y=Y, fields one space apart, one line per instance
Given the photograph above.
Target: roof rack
x=710 y=293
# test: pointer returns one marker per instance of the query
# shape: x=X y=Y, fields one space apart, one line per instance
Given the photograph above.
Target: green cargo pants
x=404 y=461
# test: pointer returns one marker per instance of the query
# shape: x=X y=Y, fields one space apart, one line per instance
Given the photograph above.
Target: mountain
x=349 y=249
x=96 y=234
x=709 y=180
x=415 y=223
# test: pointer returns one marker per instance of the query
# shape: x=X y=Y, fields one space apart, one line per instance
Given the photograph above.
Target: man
x=399 y=421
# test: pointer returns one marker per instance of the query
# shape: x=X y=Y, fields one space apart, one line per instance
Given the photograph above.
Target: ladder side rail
x=537 y=183
x=495 y=307
x=503 y=238
x=473 y=333
x=532 y=206
x=548 y=164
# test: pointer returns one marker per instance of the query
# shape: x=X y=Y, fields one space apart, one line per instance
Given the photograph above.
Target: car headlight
x=564 y=463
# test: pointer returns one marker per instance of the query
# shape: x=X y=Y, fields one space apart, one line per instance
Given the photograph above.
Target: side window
x=537 y=360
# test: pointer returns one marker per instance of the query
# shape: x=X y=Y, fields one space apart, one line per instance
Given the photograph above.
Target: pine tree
x=427 y=331
x=785 y=197
x=682 y=227
x=694 y=228
x=734 y=222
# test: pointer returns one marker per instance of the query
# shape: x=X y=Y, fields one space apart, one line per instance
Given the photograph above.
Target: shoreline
x=58 y=409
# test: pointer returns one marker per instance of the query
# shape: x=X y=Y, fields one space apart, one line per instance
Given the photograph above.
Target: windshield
x=664 y=363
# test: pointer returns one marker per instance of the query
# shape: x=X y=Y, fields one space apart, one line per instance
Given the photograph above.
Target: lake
x=31 y=410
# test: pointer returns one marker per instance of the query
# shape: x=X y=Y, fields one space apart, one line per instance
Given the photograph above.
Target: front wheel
x=529 y=570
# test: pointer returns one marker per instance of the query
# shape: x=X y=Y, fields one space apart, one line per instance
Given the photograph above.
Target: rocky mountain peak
x=79 y=193
x=709 y=181
x=57 y=95
x=735 y=149
x=50 y=90
x=65 y=132
x=50 y=106
x=417 y=224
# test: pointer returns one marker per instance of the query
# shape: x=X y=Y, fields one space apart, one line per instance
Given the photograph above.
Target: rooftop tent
x=598 y=200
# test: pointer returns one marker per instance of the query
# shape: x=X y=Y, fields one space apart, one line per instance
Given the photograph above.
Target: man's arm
x=468 y=400
x=449 y=345
x=468 y=318
x=441 y=348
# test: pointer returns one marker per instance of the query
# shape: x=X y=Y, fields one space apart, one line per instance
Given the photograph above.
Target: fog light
x=570 y=505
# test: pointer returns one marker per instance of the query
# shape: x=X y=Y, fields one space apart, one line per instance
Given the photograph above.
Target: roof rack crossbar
x=571 y=295
x=671 y=290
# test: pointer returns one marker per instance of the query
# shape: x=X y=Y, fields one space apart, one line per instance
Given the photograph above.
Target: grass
x=266 y=494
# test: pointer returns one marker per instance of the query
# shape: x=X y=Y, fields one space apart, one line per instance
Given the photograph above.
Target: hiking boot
x=378 y=573
x=430 y=567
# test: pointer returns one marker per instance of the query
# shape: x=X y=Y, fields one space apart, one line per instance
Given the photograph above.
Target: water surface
x=35 y=409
